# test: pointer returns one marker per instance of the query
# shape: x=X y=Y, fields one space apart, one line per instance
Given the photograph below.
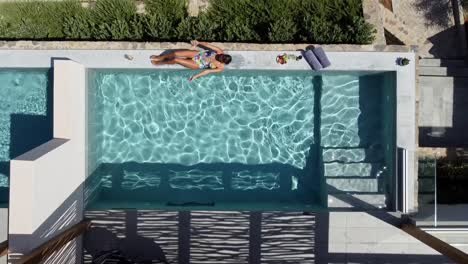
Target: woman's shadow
x=99 y=242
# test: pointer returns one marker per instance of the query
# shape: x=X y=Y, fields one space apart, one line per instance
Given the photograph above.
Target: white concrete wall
x=39 y=184
x=46 y=186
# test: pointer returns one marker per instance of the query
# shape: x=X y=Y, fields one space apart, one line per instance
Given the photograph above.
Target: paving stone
x=435 y=25
x=373 y=14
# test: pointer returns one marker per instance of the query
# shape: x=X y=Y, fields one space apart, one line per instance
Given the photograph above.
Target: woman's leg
x=181 y=53
x=189 y=54
x=187 y=63
x=162 y=62
x=169 y=56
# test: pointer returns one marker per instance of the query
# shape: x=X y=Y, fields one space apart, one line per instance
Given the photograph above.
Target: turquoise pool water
x=236 y=139
x=24 y=121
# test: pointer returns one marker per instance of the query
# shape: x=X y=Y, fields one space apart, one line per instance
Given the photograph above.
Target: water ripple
x=233 y=118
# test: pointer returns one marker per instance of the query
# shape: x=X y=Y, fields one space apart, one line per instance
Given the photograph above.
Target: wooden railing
x=442 y=247
x=45 y=250
x=3 y=248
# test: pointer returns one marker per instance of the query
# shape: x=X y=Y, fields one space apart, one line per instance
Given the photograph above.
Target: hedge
x=272 y=21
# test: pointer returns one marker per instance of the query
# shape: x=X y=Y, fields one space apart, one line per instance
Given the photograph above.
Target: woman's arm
x=205 y=72
x=208 y=45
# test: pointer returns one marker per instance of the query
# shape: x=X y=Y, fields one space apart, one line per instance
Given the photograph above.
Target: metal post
x=435 y=190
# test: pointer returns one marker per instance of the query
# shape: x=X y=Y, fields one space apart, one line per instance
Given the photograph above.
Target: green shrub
x=137 y=29
x=166 y=16
x=239 y=30
x=101 y=31
x=187 y=28
x=207 y=29
x=36 y=20
x=173 y=10
x=107 y=11
x=109 y=19
x=283 y=30
x=119 y=29
x=316 y=21
x=241 y=20
x=4 y=26
x=361 y=32
x=197 y=28
x=317 y=30
x=79 y=25
x=157 y=27
x=278 y=21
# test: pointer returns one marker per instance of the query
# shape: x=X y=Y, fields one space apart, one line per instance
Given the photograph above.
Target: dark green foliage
x=277 y=21
x=188 y=28
x=108 y=20
x=35 y=20
x=316 y=21
x=321 y=31
x=361 y=32
x=452 y=181
x=283 y=30
x=119 y=29
x=157 y=27
x=200 y=27
x=240 y=30
x=108 y=11
x=114 y=19
x=79 y=25
x=173 y=10
x=137 y=29
x=208 y=29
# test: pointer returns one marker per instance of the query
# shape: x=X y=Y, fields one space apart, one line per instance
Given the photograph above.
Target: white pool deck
x=70 y=121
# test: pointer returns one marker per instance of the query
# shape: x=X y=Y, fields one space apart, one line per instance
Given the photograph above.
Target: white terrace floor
x=266 y=237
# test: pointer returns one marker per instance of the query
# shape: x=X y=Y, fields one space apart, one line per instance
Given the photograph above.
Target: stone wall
x=373 y=14
x=123 y=45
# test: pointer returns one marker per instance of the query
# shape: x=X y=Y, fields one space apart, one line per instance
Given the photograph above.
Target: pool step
x=372 y=154
x=441 y=63
x=439 y=96
x=361 y=201
x=363 y=185
x=339 y=169
x=443 y=71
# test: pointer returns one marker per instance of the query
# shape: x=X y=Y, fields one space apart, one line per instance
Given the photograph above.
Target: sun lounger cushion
x=322 y=57
x=312 y=60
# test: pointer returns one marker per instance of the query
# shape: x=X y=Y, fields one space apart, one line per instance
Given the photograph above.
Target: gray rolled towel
x=312 y=60
x=322 y=57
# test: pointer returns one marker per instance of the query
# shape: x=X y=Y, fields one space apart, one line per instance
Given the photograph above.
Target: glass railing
x=427 y=195
x=442 y=201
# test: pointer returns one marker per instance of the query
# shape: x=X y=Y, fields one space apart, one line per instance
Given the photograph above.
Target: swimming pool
x=23 y=108
x=279 y=140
